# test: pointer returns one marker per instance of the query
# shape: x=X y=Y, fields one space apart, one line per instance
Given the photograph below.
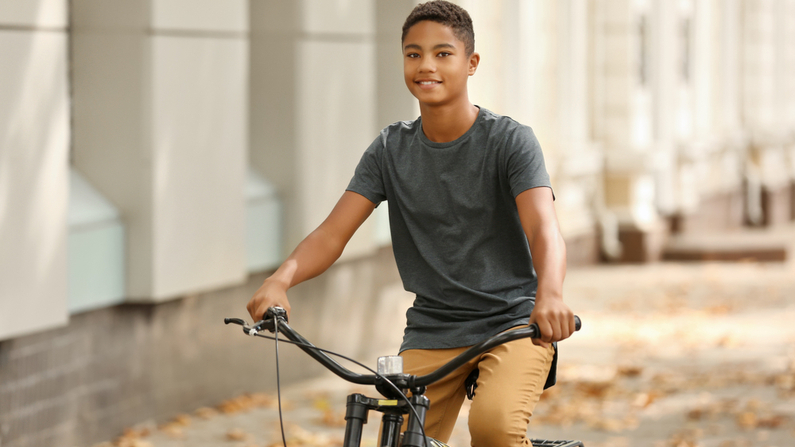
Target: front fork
x=359 y=406
x=413 y=436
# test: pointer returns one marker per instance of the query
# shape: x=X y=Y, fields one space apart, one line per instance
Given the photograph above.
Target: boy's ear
x=474 y=60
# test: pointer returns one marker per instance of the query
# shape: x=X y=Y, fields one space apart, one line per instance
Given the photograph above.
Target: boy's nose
x=427 y=65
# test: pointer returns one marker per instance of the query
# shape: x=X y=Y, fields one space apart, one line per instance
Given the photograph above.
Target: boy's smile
x=436 y=65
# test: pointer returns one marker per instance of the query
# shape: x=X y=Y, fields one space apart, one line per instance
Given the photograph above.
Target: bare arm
x=314 y=255
x=540 y=223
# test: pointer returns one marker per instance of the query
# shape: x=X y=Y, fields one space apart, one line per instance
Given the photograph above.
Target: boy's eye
x=443 y=54
x=412 y=55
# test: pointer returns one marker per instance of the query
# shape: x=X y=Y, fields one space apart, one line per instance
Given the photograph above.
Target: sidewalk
x=670 y=355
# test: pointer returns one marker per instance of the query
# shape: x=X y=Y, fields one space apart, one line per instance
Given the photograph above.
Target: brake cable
x=278 y=379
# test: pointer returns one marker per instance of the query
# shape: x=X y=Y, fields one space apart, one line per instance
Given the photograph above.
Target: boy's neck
x=442 y=124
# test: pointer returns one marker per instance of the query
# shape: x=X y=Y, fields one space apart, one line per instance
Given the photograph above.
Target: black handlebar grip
x=234 y=320
x=537 y=331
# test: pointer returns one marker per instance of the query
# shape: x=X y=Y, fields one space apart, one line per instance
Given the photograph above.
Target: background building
x=159 y=157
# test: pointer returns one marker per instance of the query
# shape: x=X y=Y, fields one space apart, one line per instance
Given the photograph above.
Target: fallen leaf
x=237 y=434
x=594 y=389
x=131 y=437
x=321 y=404
x=135 y=433
x=608 y=425
x=302 y=437
x=719 y=309
x=686 y=438
x=746 y=420
x=172 y=430
x=630 y=371
x=695 y=414
x=785 y=382
x=247 y=402
x=643 y=400
x=182 y=420
x=135 y=443
x=333 y=418
x=206 y=413
x=774 y=421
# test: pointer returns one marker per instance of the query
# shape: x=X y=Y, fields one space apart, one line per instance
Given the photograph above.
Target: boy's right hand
x=270 y=294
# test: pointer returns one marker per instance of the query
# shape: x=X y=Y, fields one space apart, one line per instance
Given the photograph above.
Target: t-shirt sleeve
x=524 y=162
x=367 y=178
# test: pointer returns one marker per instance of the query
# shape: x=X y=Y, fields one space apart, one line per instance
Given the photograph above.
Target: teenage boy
x=469 y=202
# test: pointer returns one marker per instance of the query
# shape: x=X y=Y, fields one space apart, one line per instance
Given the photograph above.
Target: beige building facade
x=159 y=157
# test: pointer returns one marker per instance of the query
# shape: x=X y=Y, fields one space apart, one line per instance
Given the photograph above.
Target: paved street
x=671 y=355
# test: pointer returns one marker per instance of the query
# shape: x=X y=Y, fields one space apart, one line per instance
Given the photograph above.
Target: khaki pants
x=511 y=381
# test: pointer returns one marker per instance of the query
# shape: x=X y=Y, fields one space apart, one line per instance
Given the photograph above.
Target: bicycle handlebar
x=277 y=316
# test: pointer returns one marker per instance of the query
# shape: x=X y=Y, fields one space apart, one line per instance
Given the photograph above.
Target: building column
x=313 y=105
x=695 y=97
x=727 y=164
x=785 y=82
x=160 y=118
x=580 y=161
x=622 y=112
x=34 y=166
x=767 y=176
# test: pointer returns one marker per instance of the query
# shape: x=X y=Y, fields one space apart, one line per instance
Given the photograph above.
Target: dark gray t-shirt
x=456 y=234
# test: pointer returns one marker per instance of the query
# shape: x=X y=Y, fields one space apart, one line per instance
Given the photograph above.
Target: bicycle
x=390 y=381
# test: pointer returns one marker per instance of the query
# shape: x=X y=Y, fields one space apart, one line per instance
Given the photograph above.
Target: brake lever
x=266 y=323
x=248 y=330
x=260 y=326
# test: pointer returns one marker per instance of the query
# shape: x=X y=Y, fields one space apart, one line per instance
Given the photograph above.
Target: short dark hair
x=446 y=13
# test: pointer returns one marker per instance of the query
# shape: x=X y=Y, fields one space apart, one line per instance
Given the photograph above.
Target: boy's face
x=435 y=64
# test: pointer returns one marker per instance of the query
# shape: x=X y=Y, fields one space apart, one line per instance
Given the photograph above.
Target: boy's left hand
x=554 y=319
